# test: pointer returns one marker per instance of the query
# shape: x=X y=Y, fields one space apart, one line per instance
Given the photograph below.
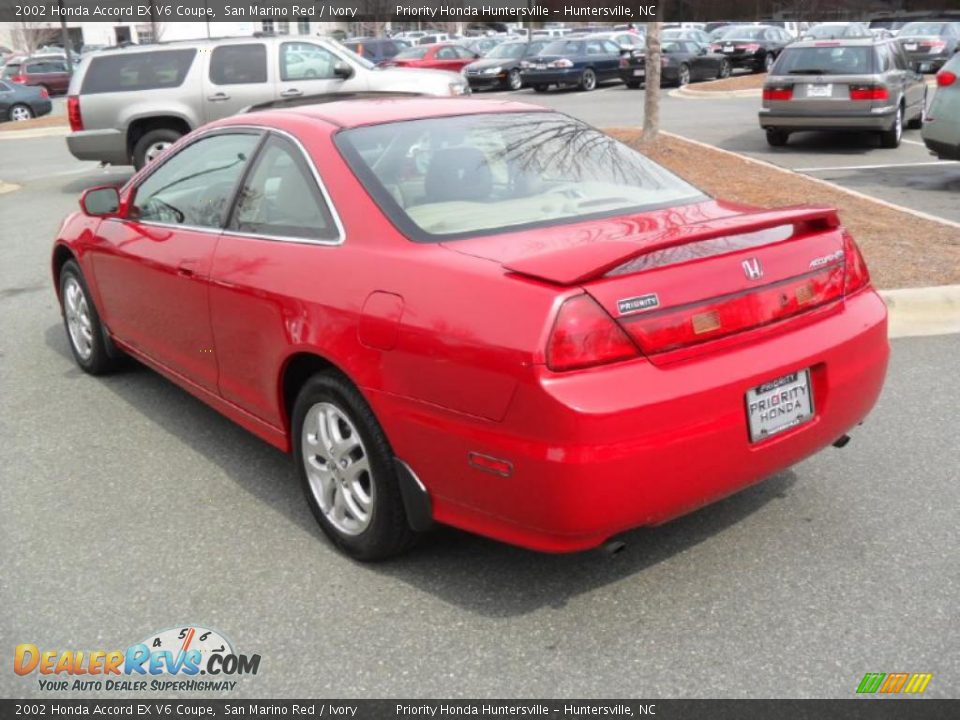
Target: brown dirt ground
x=901 y=250
x=749 y=81
x=46 y=121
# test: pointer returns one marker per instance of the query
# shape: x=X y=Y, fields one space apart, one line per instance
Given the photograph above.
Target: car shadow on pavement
x=479 y=575
x=822 y=143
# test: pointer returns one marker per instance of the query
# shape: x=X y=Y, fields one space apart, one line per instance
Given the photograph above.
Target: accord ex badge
x=641 y=303
x=752 y=269
x=827 y=259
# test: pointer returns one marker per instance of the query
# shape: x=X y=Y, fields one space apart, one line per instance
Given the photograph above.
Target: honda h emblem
x=752 y=269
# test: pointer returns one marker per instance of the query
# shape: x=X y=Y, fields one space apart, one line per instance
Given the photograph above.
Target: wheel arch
x=140 y=126
x=61 y=255
x=299 y=367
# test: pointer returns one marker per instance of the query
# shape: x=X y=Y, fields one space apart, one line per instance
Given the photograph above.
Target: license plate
x=540 y=66
x=779 y=405
x=639 y=73
x=820 y=90
x=909 y=46
x=728 y=48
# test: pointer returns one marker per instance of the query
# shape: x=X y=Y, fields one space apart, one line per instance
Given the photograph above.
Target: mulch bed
x=46 y=121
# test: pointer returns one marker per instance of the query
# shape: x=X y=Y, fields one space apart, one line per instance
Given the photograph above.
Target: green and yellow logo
x=893 y=683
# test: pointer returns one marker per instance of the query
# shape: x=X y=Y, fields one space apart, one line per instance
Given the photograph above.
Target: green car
x=941 y=126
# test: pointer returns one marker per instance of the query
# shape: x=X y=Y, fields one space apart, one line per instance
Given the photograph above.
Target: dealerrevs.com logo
x=190 y=658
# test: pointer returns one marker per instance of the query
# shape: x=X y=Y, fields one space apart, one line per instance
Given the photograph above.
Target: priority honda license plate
x=779 y=405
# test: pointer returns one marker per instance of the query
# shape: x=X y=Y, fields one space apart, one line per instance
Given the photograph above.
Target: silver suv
x=126 y=106
x=847 y=84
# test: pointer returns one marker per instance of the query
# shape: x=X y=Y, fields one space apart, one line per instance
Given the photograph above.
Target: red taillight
x=945 y=78
x=856 y=275
x=752 y=48
x=584 y=335
x=44 y=93
x=665 y=330
x=868 y=92
x=778 y=93
x=19 y=79
x=73 y=113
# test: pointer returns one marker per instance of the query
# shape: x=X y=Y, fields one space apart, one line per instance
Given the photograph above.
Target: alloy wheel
x=684 y=76
x=514 y=81
x=338 y=468
x=79 y=324
x=154 y=150
x=589 y=81
x=19 y=113
x=724 y=70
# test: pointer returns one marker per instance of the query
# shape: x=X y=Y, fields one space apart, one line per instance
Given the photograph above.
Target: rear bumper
x=780 y=119
x=551 y=77
x=599 y=452
x=109 y=146
x=943 y=150
x=41 y=107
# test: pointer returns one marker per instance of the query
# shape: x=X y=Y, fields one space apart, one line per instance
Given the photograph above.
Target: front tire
x=588 y=80
x=725 y=70
x=514 y=81
x=683 y=75
x=346 y=468
x=152 y=144
x=20 y=113
x=766 y=64
x=916 y=122
x=85 y=332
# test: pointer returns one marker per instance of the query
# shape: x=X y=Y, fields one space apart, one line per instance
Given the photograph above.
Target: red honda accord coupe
x=478 y=313
x=440 y=56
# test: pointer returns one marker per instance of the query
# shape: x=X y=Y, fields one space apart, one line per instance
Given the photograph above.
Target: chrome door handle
x=219 y=97
x=292 y=92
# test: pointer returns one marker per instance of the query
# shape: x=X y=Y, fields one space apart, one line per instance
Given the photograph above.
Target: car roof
x=348 y=113
x=833 y=42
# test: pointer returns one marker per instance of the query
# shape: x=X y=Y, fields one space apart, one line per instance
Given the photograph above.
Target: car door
x=280 y=249
x=306 y=68
x=6 y=100
x=152 y=266
x=464 y=57
x=237 y=76
x=607 y=58
x=913 y=84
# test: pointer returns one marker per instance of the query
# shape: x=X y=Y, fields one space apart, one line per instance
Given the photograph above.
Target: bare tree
x=31 y=36
x=651 y=97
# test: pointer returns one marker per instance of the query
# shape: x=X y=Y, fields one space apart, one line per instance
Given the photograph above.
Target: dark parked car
x=50 y=73
x=501 y=66
x=580 y=62
x=755 y=47
x=20 y=102
x=929 y=45
x=375 y=50
x=682 y=62
x=694 y=34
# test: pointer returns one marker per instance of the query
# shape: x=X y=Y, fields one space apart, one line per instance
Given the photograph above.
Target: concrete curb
x=917 y=312
x=7 y=187
x=825 y=183
x=686 y=92
x=37 y=133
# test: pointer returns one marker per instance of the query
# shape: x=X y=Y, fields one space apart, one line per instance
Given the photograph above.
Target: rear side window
x=239 y=64
x=128 y=72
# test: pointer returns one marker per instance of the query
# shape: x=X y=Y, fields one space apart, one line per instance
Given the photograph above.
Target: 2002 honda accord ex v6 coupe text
x=478 y=313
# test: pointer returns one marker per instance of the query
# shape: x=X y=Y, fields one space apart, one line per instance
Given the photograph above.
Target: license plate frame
x=910 y=47
x=728 y=48
x=820 y=90
x=639 y=72
x=779 y=405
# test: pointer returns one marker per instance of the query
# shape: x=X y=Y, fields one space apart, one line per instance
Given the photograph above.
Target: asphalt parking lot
x=126 y=507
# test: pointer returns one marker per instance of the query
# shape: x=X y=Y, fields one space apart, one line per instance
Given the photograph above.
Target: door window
x=194 y=187
x=281 y=198
x=306 y=61
x=446 y=53
x=239 y=64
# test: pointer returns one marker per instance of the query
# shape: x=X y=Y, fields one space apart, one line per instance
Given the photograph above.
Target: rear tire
x=891 y=138
x=540 y=87
x=588 y=80
x=152 y=144
x=724 y=72
x=361 y=511
x=683 y=75
x=633 y=84
x=514 y=80
x=767 y=63
x=85 y=333
x=20 y=113
x=777 y=138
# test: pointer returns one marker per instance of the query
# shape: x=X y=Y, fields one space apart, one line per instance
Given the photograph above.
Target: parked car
x=682 y=62
x=579 y=62
x=127 y=106
x=482 y=45
x=315 y=276
x=858 y=84
x=49 y=73
x=624 y=39
x=834 y=30
x=941 y=128
x=694 y=34
x=442 y=56
x=754 y=47
x=930 y=44
x=434 y=38
x=22 y=102
x=376 y=50
x=500 y=68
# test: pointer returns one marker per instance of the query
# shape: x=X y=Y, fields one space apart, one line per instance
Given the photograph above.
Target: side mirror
x=342 y=70
x=100 y=201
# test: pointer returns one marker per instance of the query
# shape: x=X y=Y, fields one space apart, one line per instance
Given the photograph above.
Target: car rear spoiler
x=580 y=263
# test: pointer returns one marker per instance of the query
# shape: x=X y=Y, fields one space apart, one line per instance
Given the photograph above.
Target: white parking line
x=876 y=167
x=912 y=142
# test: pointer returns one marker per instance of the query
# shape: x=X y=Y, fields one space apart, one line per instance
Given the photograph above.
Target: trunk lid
x=693 y=280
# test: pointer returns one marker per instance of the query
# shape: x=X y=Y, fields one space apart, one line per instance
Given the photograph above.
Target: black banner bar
x=568 y=11
x=854 y=709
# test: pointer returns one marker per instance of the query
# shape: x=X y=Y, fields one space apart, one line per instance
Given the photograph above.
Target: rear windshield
x=827 y=60
x=446 y=178
x=126 y=72
x=924 y=28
